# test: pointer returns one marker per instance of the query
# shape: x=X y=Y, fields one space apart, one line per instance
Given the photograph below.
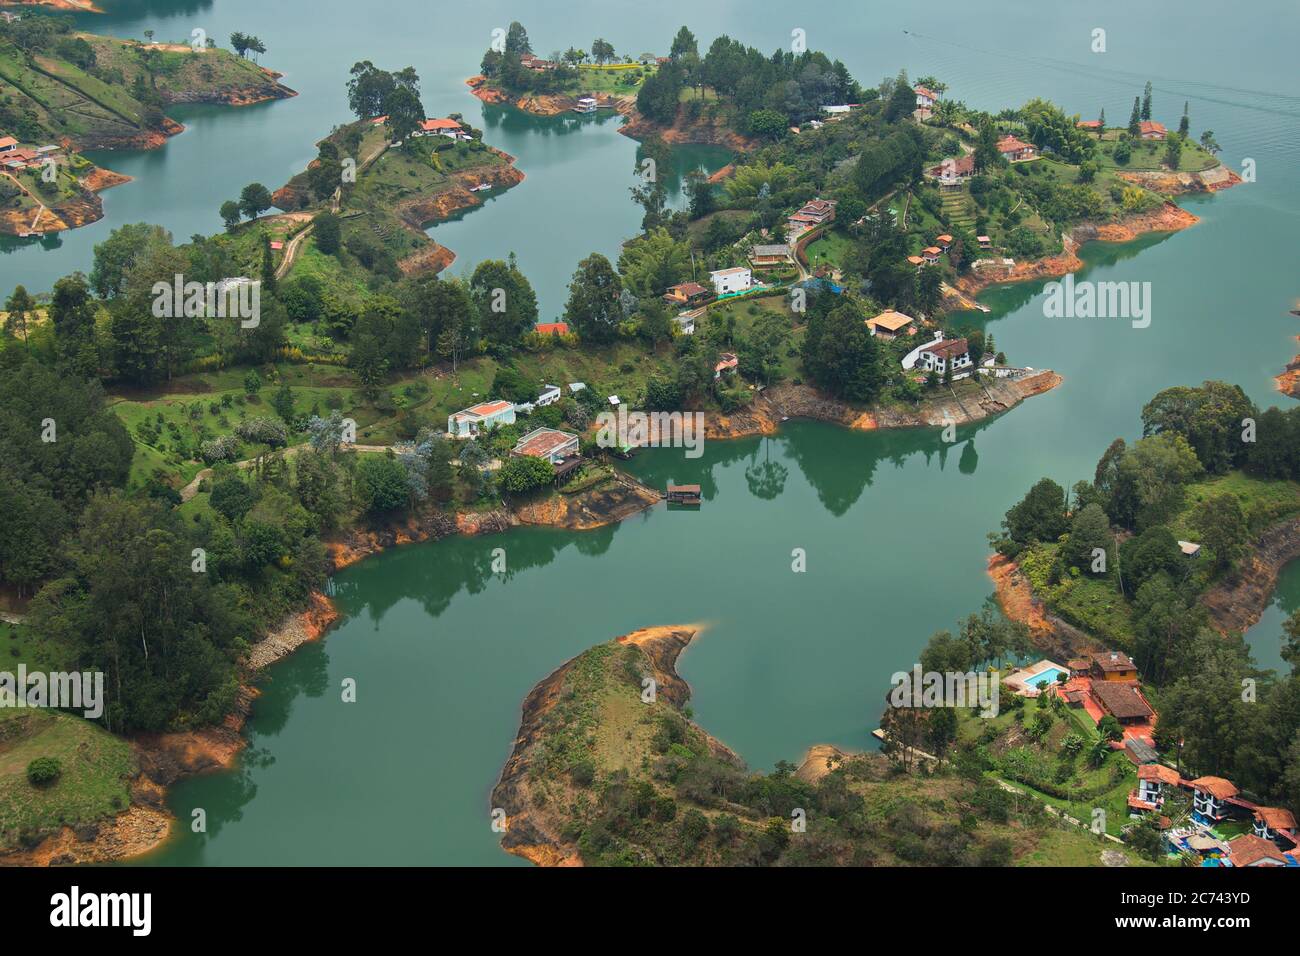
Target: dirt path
x=192 y=489
x=295 y=244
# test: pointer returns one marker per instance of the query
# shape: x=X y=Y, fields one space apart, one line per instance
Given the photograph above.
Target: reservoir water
x=892 y=523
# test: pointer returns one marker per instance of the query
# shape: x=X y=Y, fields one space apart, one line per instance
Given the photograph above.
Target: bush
x=524 y=473
x=43 y=771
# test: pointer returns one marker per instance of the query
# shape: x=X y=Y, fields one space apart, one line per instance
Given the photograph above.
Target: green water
x=892 y=523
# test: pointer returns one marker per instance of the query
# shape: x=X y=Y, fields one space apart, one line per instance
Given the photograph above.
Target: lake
x=893 y=524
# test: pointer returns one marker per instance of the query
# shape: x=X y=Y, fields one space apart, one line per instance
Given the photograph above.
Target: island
x=68 y=91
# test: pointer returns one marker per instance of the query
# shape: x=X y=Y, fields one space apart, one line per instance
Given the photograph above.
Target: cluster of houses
x=930 y=254
x=15 y=157
x=1107 y=684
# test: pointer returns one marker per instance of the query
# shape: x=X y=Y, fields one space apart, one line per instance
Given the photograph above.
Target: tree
x=1089 y=530
x=118 y=254
x=683 y=44
x=1173 y=151
x=20 y=306
x=522 y=473
x=327 y=229
x=593 y=307
x=517 y=39
x=1038 y=517
x=506 y=302
x=254 y=200
x=1146 y=101
x=1210 y=417
x=1135 y=118
x=1209 y=142
x=405 y=112
x=381 y=484
x=653 y=262
x=1184 y=124
x=72 y=313
x=1223 y=529
x=840 y=355
x=602 y=51
x=231 y=214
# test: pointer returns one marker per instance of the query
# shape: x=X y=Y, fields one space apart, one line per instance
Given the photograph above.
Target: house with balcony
x=1155 y=782
x=727 y=281
x=944 y=355
x=1210 y=796
x=1277 y=825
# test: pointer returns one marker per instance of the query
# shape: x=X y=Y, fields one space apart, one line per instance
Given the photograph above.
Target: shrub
x=43 y=771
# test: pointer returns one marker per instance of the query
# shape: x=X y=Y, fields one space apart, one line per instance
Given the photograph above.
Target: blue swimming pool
x=1048 y=675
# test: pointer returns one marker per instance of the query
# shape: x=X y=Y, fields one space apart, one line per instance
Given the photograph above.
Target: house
x=931 y=254
x=1274 y=822
x=549 y=395
x=1250 y=850
x=1014 y=150
x=769 y=255
x=1135 y=748
x=944 y=354
x=984 y=241
x=726 y=364
x=685 y=322
x=19 y=158
x=889 y=325
x=7 y=143
x=1123 y=701
x=916 y=261
x=1190 y=549
x=1155 y=780
x=737 y=279
x=1089 y=124
x=812 y=214
x=549 y=443
x=530 y=62
x=686 y=293
x=586 y=104
x=684 y=494
x=379 y=120
x=477 y=419
x=1150 y=129
x=1113 y=666
x=277 y=245
x=954 y=169
x=839 y=109
x=925 y=98
x=943 y=242
x=551 y=328
x=442 y=127
x=615 y=400
x=1210 y=797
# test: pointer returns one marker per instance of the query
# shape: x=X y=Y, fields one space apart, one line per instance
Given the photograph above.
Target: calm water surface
x=893 y=524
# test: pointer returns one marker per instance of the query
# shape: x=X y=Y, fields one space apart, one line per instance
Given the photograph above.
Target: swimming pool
x=1048 y=675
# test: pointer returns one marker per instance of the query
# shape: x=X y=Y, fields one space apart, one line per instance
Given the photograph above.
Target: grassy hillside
x=604 y=777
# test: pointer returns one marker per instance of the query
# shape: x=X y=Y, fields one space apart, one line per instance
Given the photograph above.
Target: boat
x=480 y=187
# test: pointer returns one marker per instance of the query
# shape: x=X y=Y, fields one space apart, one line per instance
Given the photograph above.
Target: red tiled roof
x=948 y=348
x=1151 y=126
x=1088 y=124
x=924 y=91
x=552 y=328
x=1216 y=787
x=1009 y=144
x=1275 y=818
x=1114 y=661
x=1158 y=771
x=1121 y=700
x=1249 y=849
x=688 y=289
x=432 y=125
x=7 y=141
x=542 y=442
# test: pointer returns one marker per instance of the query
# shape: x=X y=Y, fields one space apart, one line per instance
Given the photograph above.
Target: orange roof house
x=1015 y=150
x=1250 y=850
x=889 y=324
x=1150 y=129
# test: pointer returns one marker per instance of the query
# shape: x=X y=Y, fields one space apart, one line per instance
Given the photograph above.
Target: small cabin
x=684 y=494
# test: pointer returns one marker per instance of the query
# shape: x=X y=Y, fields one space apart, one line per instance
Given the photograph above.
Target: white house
x=1210 y=796
x=586 y=104
x=737 y=279
x=473 y=421
x=1274 y=822
x=549 y=395
x=1154 y=781
x=940 y=355
x=925 y=98
x=576 y=387
x=685 y=322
